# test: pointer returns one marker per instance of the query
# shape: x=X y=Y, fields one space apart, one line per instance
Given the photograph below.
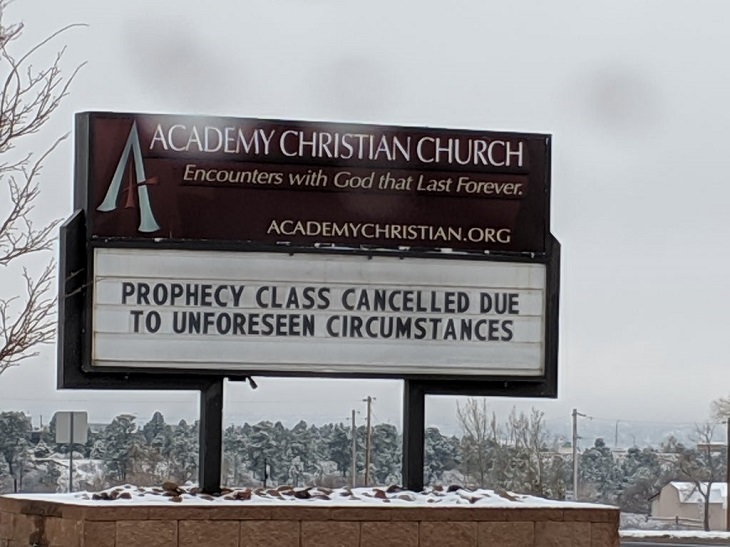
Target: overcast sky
x=635 y=93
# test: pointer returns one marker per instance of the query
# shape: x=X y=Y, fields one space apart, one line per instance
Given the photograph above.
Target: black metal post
x=211 y=436
x=266 y=472
x=414 y=420
x=71 y=455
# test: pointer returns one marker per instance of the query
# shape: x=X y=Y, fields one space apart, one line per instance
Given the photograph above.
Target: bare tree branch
x=721 y=408
x=28 y=97
x=18 y=235
x=530 y=438
x=701 y=466
x=34 y=324
x=474 y=422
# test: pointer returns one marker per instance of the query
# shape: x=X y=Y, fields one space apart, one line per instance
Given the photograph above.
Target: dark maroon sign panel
x=305 y=183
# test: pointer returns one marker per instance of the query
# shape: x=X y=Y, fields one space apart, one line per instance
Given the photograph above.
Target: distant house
x=682 y=500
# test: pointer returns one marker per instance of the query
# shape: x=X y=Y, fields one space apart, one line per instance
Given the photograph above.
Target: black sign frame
x=75 y=319
x=76 y=275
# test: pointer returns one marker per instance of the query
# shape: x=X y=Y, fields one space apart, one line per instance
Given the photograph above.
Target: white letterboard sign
x=307 y=313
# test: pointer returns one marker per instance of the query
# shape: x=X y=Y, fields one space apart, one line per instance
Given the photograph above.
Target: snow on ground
x=673 y=534
x=639 y=526
x=436 y=496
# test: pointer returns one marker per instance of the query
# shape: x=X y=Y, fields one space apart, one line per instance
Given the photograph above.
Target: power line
x=648 y=422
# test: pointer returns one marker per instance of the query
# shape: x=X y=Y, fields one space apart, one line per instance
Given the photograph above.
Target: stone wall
x=25 y=522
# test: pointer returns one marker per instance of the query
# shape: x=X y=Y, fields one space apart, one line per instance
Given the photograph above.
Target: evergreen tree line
x=517 y=455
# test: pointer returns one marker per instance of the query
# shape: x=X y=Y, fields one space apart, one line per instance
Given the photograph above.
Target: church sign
x=222 y=246
x=315 y=313
x=305 y=183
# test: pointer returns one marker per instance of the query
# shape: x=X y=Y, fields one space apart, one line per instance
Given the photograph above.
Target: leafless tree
x=721 y=408
x=29 y=95
x=702 y=466
x=514 y=456
x=477 y=432
x=530 y=440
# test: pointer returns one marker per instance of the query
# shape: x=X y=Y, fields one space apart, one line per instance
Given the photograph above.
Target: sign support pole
x=211 y=436
x=727 y=477
x=71 y=456
x=414 y=420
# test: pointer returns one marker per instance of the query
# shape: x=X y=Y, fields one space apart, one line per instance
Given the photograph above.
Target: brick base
x=25 y=522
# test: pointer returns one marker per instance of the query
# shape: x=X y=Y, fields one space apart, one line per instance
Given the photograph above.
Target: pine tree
x=265 y=452
x=121 y=445
x=182 y=454
x=318 y=456
x=234 y=452
x=156 y=432
x=386 y=455
x=157 y=437
x=302 y=453
x=440 y=455
x=598 y=471
x=641 y=476
x=15 y=430
x=339 y=448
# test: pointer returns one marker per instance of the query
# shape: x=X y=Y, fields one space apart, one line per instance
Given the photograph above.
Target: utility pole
x=369 y=400
x=575 y=452
x=353 y=467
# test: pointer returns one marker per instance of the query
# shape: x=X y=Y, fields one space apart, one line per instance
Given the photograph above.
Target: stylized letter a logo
x=147 y=222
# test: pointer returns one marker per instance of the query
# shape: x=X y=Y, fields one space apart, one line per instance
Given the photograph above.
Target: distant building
x=683 y=503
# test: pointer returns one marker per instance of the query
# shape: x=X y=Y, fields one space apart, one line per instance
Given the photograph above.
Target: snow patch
x=452 y=496
x=674 y=534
